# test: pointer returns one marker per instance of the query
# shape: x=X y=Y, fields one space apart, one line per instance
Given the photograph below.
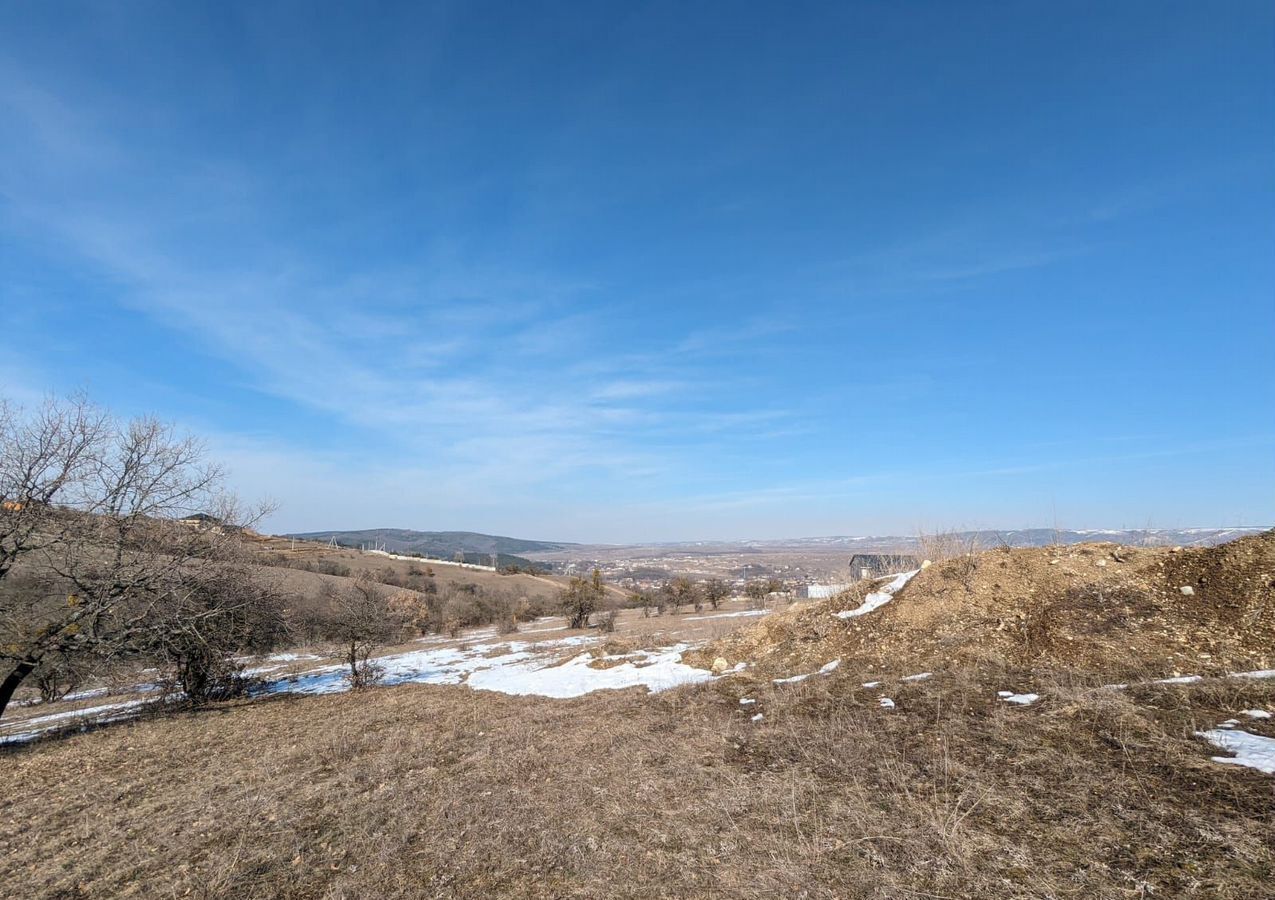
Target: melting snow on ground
x=728 y=615
x=878 y=598
x=514 y=667
x=657 y=670
x=449 y=665
x=791 y=679
x=826 y=669
x=886 y=703
x=920 y=676
x=106 y=712
x=1020 y=699
x=1251 y=750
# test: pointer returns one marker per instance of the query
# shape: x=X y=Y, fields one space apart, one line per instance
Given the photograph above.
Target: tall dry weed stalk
x=960 y=547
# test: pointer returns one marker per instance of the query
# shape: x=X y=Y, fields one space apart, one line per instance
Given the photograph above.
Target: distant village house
x=874 y=565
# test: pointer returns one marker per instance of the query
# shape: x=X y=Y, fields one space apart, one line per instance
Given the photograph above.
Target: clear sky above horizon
x=660 y=271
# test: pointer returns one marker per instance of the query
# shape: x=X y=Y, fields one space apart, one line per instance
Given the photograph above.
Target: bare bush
x=580 y=598
x=204 y=625
x=606 y=621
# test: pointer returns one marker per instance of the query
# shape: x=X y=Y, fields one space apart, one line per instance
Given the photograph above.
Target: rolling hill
x=476 y=548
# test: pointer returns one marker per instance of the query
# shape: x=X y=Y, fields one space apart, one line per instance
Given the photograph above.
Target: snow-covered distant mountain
x=1028 y=537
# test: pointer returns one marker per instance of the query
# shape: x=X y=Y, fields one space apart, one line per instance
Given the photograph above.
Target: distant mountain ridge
x=437 y=544
x=1023 y=537
x=474 y=545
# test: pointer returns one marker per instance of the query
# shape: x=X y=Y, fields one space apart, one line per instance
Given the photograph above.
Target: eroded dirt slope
x=1101 y=608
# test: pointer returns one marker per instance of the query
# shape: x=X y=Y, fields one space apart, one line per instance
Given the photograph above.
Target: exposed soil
x=1112 y=611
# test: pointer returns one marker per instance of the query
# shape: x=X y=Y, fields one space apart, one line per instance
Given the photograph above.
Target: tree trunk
x=12 y=680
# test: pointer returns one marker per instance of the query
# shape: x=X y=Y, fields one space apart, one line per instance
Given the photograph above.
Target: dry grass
x=1099 y=608
x=422 y=791
x=425 y=791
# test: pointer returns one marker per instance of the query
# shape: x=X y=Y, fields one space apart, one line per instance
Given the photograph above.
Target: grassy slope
x=441 y=791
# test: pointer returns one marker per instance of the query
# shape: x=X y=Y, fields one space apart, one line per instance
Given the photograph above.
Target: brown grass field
x=444 y=791
x=421 y=791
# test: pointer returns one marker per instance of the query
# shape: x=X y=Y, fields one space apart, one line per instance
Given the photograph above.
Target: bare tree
x=715 y=591
x=361 y=620
x=756 y=592
x=46 y=458
x=90 y=507
x=685 y=593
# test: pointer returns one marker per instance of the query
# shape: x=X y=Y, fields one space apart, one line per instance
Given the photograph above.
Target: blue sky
x=624 y=271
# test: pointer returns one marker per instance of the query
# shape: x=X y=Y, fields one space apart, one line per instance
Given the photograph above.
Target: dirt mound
x=1103 y=608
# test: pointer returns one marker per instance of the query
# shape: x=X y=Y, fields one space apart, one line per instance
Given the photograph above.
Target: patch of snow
x=82 y=713
x=1255 y=713
x=660 y=671
x=447 y=665
x=826 y=669
x=1003 y=694
x=886 y=703
x=1260 y=673
x=871 y=684
x=1229 y=723
x=920 y=676
x=95 y=714
x=20 y=737
x=432 y=639
x=1020 y=699
x=1251 y=750
x=85 y=695
x=746 y=701
x=792 y=679
x=1181 y=679
x=263 y=670
x=757 y=718
x=729 y=615
x=878 y=598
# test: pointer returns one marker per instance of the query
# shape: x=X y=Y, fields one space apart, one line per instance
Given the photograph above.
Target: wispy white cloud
x=490 y=377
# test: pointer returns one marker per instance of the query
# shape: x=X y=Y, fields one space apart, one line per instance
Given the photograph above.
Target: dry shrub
x=960 y=548
x=606 y=621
